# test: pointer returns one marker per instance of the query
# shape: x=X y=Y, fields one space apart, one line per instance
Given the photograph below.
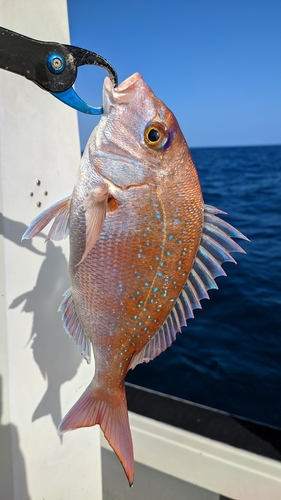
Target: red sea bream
x=144 y=250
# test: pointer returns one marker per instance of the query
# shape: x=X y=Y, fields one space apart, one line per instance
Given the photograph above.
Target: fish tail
x=110 y=412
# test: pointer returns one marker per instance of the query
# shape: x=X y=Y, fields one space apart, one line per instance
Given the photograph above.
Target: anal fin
x=73 y=327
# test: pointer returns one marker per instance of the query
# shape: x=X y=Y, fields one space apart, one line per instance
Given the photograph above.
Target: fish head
x=138 y=140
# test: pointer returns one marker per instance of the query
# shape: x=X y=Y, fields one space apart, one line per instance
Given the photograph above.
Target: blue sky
x=215 y=63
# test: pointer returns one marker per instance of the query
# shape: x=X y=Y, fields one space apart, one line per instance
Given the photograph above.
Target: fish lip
x=132 y=80
x=123 y=94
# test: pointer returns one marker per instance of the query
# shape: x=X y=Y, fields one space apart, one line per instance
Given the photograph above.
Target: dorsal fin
x=214 y=249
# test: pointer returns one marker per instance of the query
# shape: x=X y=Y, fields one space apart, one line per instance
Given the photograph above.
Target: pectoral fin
x=95 y=213
x=59 y=230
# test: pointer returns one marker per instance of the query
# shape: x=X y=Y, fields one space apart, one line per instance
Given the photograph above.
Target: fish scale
x=144 y=250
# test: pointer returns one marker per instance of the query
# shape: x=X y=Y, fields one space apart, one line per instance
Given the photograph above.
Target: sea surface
x=229 y=356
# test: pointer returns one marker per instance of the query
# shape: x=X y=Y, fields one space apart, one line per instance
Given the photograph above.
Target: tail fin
x=112 y=416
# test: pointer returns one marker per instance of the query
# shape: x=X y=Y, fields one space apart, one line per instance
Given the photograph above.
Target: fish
x=144 y=250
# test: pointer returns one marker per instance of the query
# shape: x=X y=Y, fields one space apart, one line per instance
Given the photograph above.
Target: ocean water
x=229 y=356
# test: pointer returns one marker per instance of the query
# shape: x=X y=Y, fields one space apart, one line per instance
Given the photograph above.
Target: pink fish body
x=144 y=250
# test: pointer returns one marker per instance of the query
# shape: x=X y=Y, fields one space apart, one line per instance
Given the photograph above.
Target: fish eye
x=155 y=135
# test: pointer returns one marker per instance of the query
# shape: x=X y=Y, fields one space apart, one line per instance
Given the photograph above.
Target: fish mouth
x=123 y=94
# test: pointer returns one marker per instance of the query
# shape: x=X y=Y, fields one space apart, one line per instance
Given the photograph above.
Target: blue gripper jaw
x=73 y=100
x=51 y=65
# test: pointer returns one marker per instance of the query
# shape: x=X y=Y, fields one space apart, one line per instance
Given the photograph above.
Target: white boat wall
x=41 y=372
x=186 y=451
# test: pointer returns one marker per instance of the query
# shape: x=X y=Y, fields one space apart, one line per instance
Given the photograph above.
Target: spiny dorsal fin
x=60 y=226
x=214 y=249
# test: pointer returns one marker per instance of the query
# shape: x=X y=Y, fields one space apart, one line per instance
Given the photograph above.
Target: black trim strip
x=213 y=424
